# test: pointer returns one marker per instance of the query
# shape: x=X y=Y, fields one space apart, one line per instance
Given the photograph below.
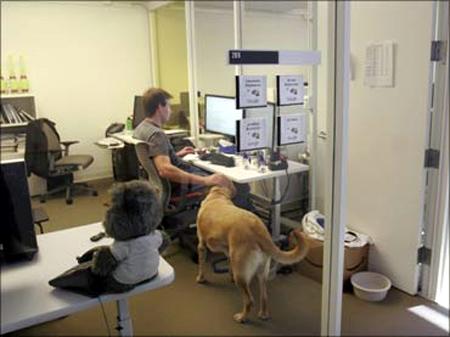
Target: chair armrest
x=66 y=145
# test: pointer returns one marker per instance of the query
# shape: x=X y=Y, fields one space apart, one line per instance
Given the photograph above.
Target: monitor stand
x=277 y=161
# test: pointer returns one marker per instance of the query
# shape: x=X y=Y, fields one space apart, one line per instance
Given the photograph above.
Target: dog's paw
x=264 y=316
x=239 y=317
x=200 y=279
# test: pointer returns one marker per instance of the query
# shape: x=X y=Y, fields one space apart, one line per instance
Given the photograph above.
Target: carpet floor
x=187 y=308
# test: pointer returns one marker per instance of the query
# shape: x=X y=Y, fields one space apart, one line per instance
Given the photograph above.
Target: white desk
x=27 y=299
x=241 y=175
x=127 y=136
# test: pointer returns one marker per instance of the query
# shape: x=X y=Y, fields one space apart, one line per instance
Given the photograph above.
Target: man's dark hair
x=152 y=98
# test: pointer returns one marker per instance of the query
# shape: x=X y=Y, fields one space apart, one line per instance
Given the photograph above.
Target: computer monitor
x=221 y=115
x=138 y=111
x=17 y=235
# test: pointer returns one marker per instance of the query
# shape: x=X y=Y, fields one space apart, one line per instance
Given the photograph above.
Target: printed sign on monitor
x=292 y=129
x=251 y=91
x=251 y=134
x=290 y=90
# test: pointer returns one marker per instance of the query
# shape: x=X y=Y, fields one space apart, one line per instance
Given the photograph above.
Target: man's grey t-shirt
x=158 y=142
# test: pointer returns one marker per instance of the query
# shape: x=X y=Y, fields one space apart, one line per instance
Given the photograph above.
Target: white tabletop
x=127 y=136
x=241 y=175
x=27 y=298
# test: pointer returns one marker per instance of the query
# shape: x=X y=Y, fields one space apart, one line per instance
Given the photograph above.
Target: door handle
x=323 y=135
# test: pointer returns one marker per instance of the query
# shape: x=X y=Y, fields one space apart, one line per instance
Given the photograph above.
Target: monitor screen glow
x=221 y=115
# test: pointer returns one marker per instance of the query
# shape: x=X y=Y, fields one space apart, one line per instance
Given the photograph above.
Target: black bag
x=80 y=279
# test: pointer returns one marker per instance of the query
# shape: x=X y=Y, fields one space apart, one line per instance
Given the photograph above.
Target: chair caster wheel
x=69 y=202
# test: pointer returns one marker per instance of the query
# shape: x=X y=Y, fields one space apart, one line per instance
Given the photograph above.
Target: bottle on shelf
x=12 y=80
x=13 y=85
x=24 y=85
x=3 y=86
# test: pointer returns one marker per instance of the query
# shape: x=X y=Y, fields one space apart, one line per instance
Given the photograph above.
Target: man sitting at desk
x=168 y=162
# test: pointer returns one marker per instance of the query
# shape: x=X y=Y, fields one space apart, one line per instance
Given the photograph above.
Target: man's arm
x=174 y=174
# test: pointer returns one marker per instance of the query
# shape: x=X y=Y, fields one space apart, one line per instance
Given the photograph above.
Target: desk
x=241 y=175
x=127 y=137
x=28 y=299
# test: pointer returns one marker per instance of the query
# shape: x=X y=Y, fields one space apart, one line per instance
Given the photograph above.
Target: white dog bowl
x=370 y=286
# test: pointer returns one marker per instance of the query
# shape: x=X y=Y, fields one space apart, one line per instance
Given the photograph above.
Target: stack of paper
x=11 y=114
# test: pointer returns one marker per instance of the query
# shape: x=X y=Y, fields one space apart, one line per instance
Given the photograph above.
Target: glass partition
x=171 y=50
x=213 y=38
x=290 y=201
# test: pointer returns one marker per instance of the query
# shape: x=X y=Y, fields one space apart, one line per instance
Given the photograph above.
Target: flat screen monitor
x=138 y=111
x=17 y=235
x=221 y=115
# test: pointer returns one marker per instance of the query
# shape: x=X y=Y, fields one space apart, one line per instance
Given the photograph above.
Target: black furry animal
x=133 y=257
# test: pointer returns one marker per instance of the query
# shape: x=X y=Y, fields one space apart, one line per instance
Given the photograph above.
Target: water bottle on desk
x=246 y=160
x=129 y=124
x=261 y=161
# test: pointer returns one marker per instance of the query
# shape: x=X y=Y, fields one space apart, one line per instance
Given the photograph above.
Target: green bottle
x=13 y=84
x=129 y=123
x=3 y=87
x=12 y=80
x=23 y=85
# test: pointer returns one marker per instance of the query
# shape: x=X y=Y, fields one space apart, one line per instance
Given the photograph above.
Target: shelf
x=16 y=95
x=12 y=125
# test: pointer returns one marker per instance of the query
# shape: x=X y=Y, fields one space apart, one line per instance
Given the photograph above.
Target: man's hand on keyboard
x=185 y=150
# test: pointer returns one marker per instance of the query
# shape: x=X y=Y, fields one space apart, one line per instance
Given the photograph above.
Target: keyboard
x=218 y=159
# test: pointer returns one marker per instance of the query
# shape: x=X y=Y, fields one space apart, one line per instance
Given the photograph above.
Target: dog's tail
x=286 y=257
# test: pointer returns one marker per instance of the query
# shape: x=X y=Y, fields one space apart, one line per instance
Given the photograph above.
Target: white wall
x=85 y=63
x=387 y=133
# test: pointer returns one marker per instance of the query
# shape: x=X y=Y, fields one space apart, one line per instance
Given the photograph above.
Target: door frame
x=435 y=224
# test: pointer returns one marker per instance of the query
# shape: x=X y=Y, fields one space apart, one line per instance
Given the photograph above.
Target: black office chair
x=46 y=158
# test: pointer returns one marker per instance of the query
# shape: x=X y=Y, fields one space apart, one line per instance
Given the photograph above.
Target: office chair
x=180 y=212
x=46 y=158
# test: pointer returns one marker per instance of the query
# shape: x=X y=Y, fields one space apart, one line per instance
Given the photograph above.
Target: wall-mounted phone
x=114 y=128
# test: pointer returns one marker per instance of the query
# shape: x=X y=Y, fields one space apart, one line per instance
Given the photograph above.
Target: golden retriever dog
x=243 y=237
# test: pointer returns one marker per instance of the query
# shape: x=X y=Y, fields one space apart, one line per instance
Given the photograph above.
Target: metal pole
x=238 y=12
x=192 y=70
x=312 y=93
x=124 y=323
x=334 y=234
